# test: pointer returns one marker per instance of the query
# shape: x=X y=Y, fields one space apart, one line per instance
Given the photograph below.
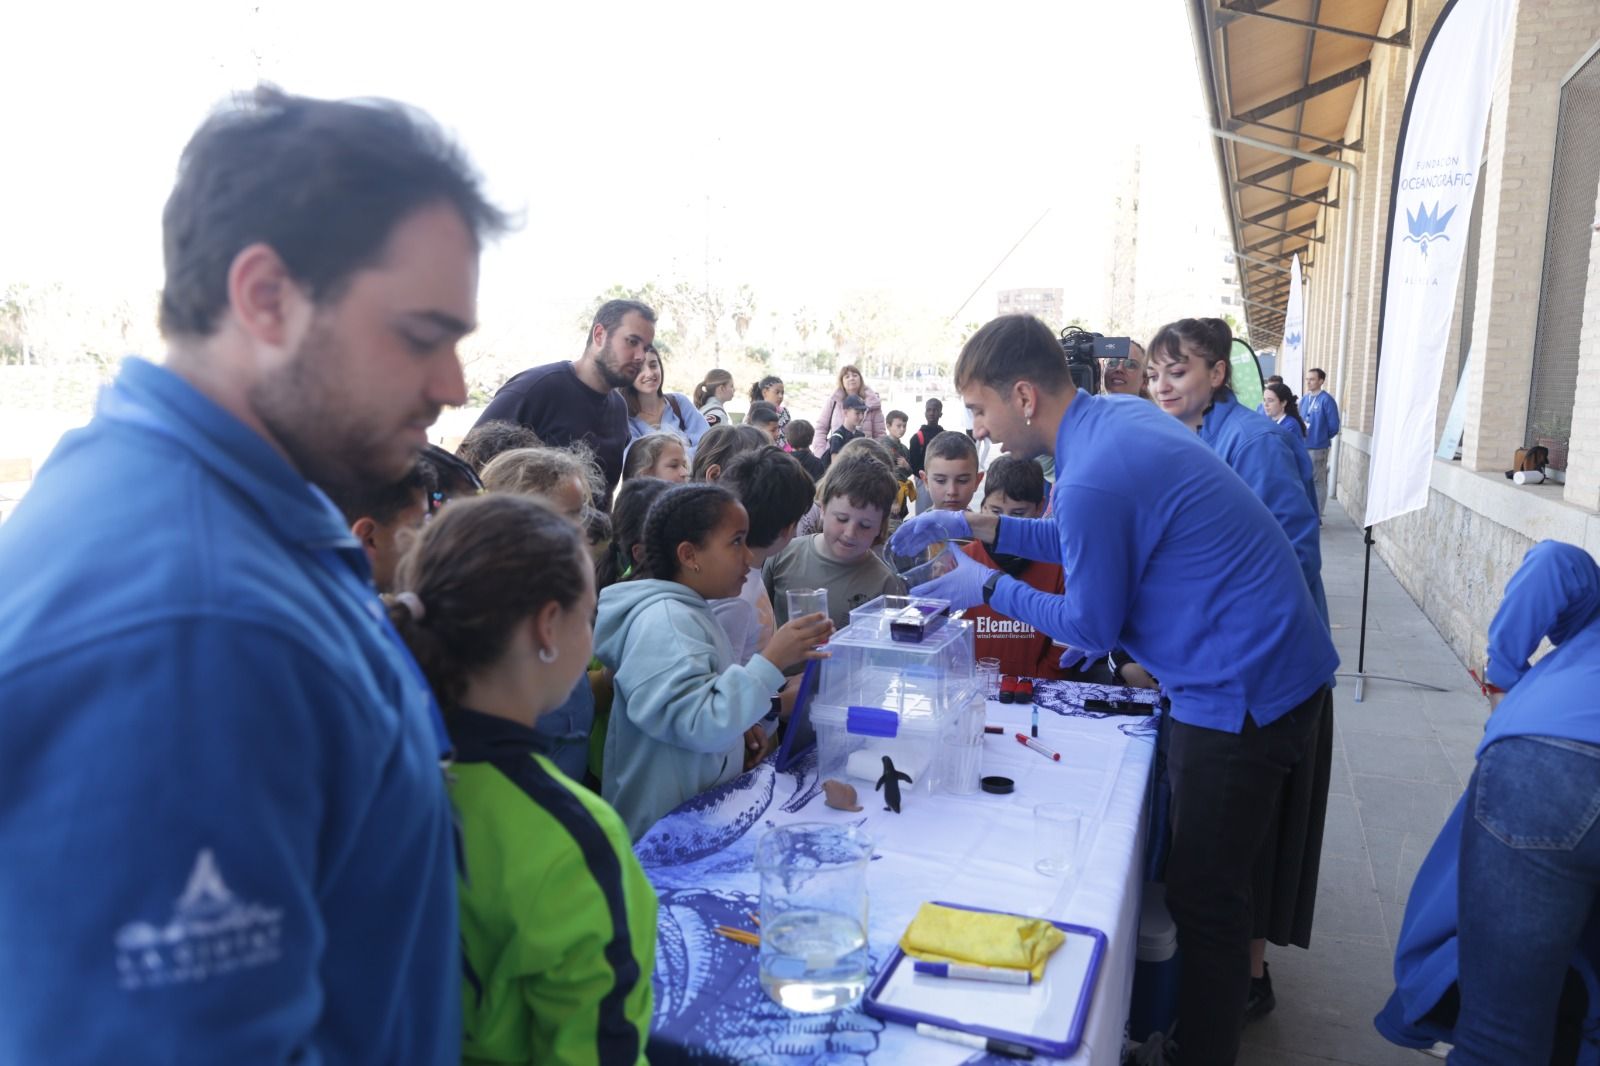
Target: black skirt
x=1285 y=888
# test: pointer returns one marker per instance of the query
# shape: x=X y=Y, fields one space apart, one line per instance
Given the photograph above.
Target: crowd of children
x=570 y=747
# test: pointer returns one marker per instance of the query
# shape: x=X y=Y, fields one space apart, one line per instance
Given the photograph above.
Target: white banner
x=1292 y=362
x=1441 y=147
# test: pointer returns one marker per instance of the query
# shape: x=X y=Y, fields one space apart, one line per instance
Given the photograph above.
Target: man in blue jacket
x=1145 y=521
x=225 y=831
x=1322 y=429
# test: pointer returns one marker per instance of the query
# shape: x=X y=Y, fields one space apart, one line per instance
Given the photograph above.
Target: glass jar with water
x=814 y=915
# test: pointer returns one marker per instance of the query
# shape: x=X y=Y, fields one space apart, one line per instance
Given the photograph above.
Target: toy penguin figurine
x=890 y=783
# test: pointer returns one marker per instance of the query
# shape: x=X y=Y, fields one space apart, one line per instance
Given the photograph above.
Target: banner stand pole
x=1361 y=674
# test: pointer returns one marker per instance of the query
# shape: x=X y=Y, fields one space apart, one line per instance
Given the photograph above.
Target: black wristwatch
x=988 y=586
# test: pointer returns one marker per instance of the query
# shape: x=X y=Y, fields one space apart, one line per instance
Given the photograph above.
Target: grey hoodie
x=682 y=701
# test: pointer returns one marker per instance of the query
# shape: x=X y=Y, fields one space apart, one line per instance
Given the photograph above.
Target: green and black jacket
x=558 y=921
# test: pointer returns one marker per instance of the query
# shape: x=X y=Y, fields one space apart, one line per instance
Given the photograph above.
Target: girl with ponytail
x=770 y=389
x=711 y=394
x=557 y=915
x=685 y=713
x=1278 y=401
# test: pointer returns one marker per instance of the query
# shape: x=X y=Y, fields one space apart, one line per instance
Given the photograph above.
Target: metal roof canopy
x=1282 y=78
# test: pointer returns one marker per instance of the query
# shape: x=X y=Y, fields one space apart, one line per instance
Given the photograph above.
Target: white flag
x=1292 y=365
x=1441 y=146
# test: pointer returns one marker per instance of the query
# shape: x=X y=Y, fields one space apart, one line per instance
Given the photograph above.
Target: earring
x=697 y=568
x=547 y=655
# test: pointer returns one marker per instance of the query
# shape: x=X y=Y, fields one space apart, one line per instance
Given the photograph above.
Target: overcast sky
x=809 y=148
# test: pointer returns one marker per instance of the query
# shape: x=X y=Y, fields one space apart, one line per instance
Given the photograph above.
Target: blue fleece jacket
x=225 y=831
x=1322 y=419
x=1275 y=465
x=1170 y=555
x=682 y=701
x=1554 y=593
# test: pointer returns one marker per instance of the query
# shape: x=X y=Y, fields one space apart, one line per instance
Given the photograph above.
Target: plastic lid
x=998 y=785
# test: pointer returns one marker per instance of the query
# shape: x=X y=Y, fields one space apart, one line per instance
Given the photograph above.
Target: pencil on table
x=741 y=935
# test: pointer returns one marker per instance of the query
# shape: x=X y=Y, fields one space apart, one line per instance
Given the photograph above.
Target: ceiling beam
x=1298 y=231
x=1252 y=9
x=1349 y=146
x=1318 y=198
x=1307 y=92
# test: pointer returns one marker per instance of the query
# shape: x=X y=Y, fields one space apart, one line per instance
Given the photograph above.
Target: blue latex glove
x=963 y=586
x=1073 y=658
x=915 y=535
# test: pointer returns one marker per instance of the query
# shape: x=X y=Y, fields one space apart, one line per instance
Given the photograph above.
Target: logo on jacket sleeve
x=211 y=933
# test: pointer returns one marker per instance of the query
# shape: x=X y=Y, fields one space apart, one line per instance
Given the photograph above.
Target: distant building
x=1047 y=304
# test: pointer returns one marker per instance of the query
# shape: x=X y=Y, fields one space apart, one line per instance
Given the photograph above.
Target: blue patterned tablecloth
x=964 y=849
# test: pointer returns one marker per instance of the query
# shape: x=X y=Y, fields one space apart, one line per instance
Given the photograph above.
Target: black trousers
x=1225 y=787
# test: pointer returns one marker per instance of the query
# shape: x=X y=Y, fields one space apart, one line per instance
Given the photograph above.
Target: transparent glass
x=960 y=769
x=1055 y=838
x=989 y=678
x=814 y=915
x=807 y=601
x=936 y=567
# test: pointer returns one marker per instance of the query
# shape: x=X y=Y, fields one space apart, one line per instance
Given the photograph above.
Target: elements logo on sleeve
x=211 y=933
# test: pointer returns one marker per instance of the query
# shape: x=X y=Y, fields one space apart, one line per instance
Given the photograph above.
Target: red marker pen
x=1028 y=742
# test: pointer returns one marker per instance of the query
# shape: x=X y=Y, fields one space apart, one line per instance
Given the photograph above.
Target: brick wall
x=1451 y=557
x=1583 y=456
x=1549 y=37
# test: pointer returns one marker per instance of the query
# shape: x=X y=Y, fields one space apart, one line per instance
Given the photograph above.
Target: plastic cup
x=960 y=764
x=814 y=915
x=989 y=678
x=936 y=567
x=1055 y=838
x=802 y=602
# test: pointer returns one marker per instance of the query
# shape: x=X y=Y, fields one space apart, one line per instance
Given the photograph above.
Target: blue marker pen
x=969 y=972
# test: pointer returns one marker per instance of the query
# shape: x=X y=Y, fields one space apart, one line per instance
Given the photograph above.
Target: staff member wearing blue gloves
x=1145 y=519
x=224 y=823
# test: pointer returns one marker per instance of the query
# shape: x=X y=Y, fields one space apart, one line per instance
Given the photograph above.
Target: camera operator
x=1125 y=375
x=1145 y=516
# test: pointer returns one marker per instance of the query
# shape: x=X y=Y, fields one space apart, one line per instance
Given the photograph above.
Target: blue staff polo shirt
x=225 y=830
x=1168 y=554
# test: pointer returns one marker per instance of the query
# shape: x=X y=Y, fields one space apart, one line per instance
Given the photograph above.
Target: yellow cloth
x=946 y=934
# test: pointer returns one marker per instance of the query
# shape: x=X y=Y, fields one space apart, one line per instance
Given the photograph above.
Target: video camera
x=1085 y=350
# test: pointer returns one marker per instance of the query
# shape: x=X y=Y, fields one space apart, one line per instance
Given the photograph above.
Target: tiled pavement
x=1400 y=760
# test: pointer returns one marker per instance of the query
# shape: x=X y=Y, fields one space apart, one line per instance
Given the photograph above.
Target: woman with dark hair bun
x=1190 y=379
x=1277 y=402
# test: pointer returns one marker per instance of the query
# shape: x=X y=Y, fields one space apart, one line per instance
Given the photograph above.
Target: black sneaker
x=1261 y=1000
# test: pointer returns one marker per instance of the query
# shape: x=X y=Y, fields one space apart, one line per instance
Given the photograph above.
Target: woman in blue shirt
x=1190 y=373
x=1142 y=513
x=650 y=410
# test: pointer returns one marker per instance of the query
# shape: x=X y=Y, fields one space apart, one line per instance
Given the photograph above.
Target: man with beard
x=226 y=828
x=577 y=400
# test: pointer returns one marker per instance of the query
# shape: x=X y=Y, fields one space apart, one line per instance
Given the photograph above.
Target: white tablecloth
x=975 y=850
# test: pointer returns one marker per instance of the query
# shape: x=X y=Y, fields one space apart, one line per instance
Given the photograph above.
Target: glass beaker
x=814 y=915
x=802 y=602
x=1055 y=838
x=940 y=565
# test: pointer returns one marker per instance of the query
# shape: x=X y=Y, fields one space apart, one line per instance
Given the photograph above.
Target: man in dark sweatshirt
x=931 y=412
